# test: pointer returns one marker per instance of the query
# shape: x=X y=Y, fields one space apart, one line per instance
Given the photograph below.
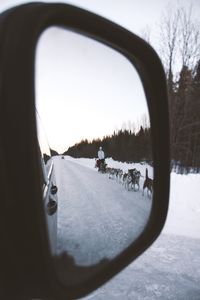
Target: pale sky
x=85 y=89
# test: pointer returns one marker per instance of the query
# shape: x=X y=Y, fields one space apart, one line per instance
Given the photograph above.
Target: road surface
x=97 y=216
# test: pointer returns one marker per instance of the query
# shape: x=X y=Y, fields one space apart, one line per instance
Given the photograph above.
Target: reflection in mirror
x=92 y=104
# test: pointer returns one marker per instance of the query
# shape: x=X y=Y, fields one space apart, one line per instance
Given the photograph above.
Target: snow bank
x=90 y=163
x=184 y=207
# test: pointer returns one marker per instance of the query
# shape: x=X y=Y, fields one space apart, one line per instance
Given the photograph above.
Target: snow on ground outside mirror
x=184 y=207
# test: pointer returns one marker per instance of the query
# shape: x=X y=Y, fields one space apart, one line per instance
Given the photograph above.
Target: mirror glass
x=93 y=107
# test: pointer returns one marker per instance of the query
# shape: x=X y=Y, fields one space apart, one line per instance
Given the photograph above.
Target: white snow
x=170 y=268
x=90 y=163
x=184 y=208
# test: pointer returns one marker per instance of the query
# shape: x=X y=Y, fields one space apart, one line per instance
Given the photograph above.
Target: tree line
x=179 y=49
x=124 y=145
x=184 y=97
x=180 y=54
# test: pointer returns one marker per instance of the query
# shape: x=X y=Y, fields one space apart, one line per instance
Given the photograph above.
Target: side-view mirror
x=63 y=237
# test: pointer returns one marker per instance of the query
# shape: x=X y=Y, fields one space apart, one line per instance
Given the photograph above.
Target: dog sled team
x=131 y=179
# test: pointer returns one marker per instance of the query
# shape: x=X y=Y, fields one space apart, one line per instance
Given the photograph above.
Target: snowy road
x=170 y=268
x=97 y=217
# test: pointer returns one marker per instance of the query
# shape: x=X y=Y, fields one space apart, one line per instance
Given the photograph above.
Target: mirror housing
x=30 y=267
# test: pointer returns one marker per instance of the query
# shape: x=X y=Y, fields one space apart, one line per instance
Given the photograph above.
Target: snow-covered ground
x=184 y=209
x=170 y=268
x=97 y=216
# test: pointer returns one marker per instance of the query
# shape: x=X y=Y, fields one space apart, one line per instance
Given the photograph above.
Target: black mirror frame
x=20 y=30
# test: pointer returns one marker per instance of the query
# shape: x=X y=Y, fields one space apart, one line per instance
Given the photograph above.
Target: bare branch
x=146 y=34
x=169 y=38
x=189 y=40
